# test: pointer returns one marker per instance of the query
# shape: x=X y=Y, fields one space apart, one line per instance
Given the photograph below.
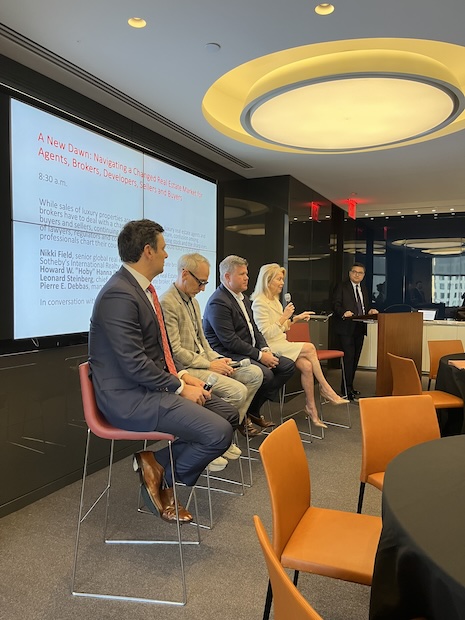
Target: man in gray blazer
x=136 y=384
x=190 y=347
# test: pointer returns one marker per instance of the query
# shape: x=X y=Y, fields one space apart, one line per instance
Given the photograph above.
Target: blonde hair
x=229 y=264
x=265 y=275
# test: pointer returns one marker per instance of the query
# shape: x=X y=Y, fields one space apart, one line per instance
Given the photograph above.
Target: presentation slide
x=72 y=191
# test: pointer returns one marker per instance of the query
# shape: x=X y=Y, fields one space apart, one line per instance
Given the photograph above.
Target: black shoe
x=351 y=396
x=356 y=392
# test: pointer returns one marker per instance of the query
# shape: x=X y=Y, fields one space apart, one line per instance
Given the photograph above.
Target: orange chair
x=390 y=425
x=98 y=425
x=437 y=349
x=288 y=602
x=406 y=382
x=325 y=542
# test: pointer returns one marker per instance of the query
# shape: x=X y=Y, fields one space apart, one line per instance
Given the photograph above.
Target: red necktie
x=164 y=338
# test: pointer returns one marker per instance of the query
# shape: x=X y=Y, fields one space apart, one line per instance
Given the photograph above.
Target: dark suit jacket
x=126 y=356
x=226 y=328
x=343 y=300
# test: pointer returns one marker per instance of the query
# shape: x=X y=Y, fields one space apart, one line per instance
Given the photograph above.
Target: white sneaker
x=233 y=452
x=217 y=465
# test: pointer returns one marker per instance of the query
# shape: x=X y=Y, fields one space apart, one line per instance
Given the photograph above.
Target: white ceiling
x=167 y=68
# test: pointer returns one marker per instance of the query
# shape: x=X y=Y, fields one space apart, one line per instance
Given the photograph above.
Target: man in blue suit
x=137 y=385
x=231 y=330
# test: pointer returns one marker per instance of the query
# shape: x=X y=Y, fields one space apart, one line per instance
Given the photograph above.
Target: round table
x=420 y=562
x=452 y=380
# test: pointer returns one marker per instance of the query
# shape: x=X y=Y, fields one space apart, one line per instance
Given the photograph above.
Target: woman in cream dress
x=274 y=321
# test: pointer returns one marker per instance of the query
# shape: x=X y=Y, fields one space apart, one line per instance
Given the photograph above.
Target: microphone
x=211 y=380
x=287 y=299
x=240 y=364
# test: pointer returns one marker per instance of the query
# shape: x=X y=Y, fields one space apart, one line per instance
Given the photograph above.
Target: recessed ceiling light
x=324 y=9
x=212 y=48
x=415 y=211
x=382 y=213
x=433 y=210
x=137 y=22
x=366 y=214
x=399 y=212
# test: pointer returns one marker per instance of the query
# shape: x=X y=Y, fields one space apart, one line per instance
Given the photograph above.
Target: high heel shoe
x=337 y=400
x=317 y=421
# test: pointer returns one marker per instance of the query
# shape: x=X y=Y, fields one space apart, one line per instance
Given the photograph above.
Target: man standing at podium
x=351 y=299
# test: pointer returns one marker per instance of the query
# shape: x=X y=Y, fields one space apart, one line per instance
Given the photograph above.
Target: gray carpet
x=226 y=574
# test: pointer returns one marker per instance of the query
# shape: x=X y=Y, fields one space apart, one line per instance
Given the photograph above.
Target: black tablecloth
x=420 y=563
x=452 y=380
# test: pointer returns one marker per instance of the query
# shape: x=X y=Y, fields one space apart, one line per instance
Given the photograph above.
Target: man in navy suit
x=351 y=299
x=231 y=331
x=130 y=358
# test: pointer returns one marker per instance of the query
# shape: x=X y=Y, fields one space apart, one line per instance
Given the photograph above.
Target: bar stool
x=332 y=354
x=97 y=425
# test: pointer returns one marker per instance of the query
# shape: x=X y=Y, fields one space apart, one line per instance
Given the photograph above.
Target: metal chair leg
x=305 y=437
x=106 y=493
x=361 y=493
x=349 y=420
x=268 y=601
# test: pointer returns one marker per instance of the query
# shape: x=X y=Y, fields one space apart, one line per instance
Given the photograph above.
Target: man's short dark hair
x=135 y=236
x=359 y=265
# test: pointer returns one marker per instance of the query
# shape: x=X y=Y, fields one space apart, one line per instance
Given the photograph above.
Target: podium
x=401 y=334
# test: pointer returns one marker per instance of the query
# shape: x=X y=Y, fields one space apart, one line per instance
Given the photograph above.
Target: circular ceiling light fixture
x=239 y=207
x=430 y=244
x=351 y=112
x=342 y=96
x=253 y=230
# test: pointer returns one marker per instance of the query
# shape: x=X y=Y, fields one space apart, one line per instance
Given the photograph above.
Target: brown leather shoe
x=169 y=508
x=251 y=430
x=151 y=479
x=260 y=421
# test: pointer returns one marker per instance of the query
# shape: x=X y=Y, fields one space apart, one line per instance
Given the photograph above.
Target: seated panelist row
x=156 y=373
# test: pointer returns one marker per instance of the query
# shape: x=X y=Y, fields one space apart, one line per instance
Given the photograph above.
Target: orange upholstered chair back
x=405 y=379
x=286 y=470
x=92 y=414
x=97 y=422
x=289 y=604
x=299 y=332
x=390 y=425
x=438 y=348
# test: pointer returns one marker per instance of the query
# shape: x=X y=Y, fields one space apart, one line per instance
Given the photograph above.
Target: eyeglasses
x=199 y=282
x=357 y=273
